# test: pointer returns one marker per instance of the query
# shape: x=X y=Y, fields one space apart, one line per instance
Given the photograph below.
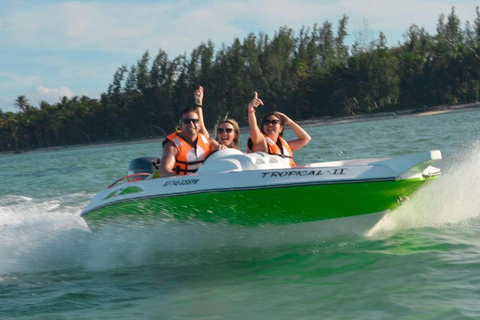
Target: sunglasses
x=187 y=120
x=272 y=122
x=227 y=130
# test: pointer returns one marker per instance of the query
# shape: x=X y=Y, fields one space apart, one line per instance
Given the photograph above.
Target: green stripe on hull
x=269 y=206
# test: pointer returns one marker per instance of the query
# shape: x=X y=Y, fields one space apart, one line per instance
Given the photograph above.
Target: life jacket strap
x=190 y=163
x=179 y=170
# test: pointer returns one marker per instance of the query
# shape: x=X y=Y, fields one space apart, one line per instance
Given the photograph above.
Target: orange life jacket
x=189 y=158
x=280 y=148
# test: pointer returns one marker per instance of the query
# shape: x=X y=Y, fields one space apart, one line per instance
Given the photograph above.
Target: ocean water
x=421 y=262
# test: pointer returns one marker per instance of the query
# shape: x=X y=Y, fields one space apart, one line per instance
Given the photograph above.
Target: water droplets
x=453 y=199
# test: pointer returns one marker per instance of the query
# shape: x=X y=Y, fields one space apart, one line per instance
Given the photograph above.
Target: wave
x=32 y=230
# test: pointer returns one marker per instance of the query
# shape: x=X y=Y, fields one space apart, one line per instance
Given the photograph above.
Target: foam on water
x=45 y=235
x=41 y=236
x=453 y=199
x=35 y=234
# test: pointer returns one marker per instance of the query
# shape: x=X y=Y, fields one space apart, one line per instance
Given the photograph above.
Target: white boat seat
x=233 y=160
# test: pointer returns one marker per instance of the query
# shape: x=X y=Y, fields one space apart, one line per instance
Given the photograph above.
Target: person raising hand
x=186 y=149
x=268 y=138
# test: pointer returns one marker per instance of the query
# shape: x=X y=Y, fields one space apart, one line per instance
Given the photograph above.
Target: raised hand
x=255 y=102
x=198 y=95
x=285 y=118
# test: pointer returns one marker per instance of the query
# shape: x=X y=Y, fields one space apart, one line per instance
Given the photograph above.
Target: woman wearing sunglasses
x=185 y=150
x=228 y=133
x=269 y=138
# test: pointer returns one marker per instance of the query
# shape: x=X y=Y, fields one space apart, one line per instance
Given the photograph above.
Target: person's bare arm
x=198 y=95
x=215 y=146
x=303 y=137
x=168 y=160
x=258 y=139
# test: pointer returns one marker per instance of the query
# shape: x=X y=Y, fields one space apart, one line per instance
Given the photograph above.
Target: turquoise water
x=422 y=262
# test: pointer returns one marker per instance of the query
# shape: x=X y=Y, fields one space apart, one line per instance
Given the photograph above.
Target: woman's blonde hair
x=236 y=130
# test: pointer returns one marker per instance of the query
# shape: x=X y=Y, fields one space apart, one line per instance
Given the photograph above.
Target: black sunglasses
x=227 y=130
x=187 y=120
x=274 y=122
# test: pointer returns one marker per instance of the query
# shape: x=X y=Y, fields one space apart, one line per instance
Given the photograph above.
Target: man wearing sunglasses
x=185 y=150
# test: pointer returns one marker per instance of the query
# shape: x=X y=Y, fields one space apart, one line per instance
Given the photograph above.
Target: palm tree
x=22 y=103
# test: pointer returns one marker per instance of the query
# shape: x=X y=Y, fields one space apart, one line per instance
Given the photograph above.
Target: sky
x=55 y=48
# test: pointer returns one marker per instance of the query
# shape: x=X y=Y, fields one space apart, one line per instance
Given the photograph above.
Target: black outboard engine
x=142 y=165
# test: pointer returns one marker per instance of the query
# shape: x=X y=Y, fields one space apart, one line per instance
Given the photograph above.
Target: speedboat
x=260 y=189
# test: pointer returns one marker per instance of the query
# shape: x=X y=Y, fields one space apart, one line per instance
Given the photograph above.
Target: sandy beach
x=428 y=111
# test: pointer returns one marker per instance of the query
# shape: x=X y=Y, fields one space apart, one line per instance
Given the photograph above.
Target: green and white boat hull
x=258 y=189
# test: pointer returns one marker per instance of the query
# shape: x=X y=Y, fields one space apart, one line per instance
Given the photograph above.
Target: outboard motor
x=142 y=165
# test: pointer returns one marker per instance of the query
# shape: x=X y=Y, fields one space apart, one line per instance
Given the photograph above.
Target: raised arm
x=258 y=139
x=168 y=160
x=198 y=95
x=303 y=137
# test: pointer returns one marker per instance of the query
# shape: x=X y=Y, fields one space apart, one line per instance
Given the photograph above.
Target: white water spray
x=453 y=199
x=34 y=233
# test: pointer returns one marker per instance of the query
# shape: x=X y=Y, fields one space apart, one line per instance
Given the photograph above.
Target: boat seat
x=233 y=160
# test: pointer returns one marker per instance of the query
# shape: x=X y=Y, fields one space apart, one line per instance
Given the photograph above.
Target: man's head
x=189 y=123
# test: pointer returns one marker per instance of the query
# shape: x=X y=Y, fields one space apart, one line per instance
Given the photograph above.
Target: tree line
x=311 y=73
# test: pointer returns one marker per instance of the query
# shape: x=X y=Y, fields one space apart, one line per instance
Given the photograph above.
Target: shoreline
x=431 y=111
x=428 y=111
